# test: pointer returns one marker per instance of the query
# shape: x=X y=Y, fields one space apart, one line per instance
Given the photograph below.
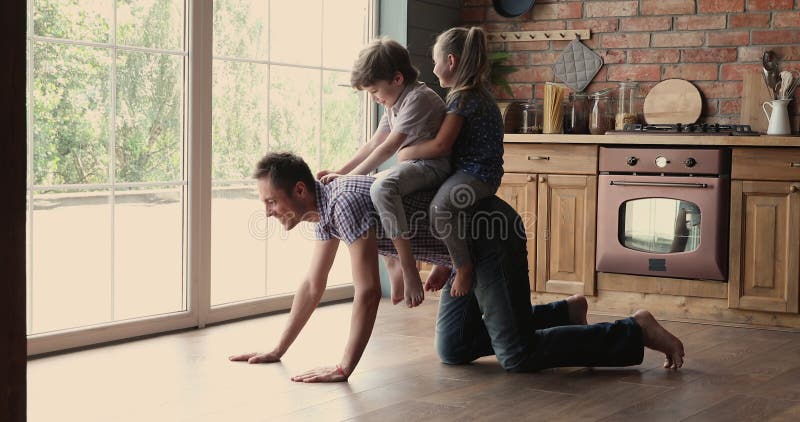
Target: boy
x=412 y=113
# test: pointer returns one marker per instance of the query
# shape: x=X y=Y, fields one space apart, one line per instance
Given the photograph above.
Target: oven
x=663 y=211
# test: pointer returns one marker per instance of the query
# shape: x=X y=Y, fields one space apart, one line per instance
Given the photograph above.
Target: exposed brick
x=720 y=6
x=769 y=5
x=570 y=10
x=787 y=19
x=646 y=87
x=519 y=91
x=611 y=8
x=543 y=25
x=721 y=120
x=518 y=59
x=527 y=45
x=709 y=107
x=639 y=72
x=499 y=26
x=734 y=71
x=749 y=20
x=625 y=40
x=776 y=37
x=679 y=39
x=613 y=56
x=544 y=58
x=532 y=74
x=473 y=14
x=654 y=56
x=592 y=43
x=692 y=72
x=658 y=23
x=709 y=55
x=597 y=84
x=596 y=25
x=691 y=23
x=716 y=39
x=667 y=7
x=602 y=75
x=730 y=106
x=720 y=89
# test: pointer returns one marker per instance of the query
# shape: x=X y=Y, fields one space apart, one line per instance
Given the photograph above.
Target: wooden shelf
x=619 y=139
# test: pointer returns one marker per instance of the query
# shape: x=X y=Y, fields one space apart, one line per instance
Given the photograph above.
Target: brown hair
x=285 y=169
x=469 y=46
x=379 y=61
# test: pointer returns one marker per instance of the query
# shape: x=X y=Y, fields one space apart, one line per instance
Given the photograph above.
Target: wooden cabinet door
x=519 y=190
x=764 y=246
x=565 y=252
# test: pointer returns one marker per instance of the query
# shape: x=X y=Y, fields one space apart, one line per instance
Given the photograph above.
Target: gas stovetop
x=689 y=129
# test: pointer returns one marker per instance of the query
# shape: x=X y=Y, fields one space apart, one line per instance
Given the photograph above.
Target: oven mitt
x=577 y=65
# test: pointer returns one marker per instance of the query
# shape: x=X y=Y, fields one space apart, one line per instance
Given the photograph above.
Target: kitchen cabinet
x=764 y=273
x=554 y=189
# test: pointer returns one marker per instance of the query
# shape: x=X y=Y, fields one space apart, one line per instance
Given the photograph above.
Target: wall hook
x=517 y=35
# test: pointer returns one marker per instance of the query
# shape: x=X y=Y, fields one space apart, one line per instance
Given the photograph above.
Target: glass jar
x=576 y=115
x=601 y=115
x=531 y=117
x=627 y=105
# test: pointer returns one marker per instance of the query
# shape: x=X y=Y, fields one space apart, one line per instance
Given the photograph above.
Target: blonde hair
x=469 y=46
x=379 y=61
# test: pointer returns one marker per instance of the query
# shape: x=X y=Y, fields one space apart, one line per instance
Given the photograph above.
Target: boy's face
x=387 y=92
x=444 y=68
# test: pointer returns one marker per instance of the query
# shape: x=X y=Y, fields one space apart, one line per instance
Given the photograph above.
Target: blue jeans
x=496 y=317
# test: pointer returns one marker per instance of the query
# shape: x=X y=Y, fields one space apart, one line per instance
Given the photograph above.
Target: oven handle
x=661 y=184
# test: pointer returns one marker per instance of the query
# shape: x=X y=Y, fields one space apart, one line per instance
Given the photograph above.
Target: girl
x=472 y=132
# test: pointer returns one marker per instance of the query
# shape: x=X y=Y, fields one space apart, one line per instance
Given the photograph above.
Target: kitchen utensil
x=577 y=65
x=771 y=70
x=512 y=8
x=787 y=79
x=754 y=93
x=673 y=101
x=778 y=117
x=512 y=117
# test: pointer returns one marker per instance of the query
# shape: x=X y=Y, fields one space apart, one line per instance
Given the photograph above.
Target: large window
x=109 y=191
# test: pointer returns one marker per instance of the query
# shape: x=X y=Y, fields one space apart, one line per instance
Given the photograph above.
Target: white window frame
x=198 y=239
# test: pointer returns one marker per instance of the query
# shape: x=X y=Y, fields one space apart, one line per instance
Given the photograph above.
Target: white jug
x=779 y=118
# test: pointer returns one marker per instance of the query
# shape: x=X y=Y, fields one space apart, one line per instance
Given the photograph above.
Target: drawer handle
x=538 y=157
x=794 y=189
x=794 y=164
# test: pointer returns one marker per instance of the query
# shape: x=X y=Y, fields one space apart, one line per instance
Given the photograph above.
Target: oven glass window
x=659 y=225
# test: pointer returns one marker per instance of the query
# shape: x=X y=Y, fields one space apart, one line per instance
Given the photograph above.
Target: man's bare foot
x=437 y=278
x=577 y=308
x=463 y=280
x=412 y=286
x=658 y=338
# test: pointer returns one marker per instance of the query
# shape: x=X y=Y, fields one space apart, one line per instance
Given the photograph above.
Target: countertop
x=636 y=139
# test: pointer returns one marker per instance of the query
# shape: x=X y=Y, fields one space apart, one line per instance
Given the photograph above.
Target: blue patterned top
x=478 y=150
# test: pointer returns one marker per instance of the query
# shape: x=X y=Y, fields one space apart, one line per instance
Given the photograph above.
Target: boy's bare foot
x=463 y=280
x=577 y=307
x=397 y=291
x=658 y=338
x=412 y=286
x=437 y=278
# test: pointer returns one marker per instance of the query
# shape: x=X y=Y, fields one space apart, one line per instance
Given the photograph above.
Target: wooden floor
x=731 y=374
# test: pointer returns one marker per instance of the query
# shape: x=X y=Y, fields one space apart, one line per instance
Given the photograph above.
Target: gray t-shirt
x=418 y=114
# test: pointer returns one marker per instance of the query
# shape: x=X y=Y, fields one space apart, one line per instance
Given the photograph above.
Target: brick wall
x=708 y=42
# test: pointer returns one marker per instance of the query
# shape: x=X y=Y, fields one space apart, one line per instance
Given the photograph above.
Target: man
x=496 y=318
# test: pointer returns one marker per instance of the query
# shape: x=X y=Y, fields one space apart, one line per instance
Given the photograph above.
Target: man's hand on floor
x=256 y=357
x=321 y=374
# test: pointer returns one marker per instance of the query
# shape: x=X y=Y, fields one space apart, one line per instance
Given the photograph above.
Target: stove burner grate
x=678 y=128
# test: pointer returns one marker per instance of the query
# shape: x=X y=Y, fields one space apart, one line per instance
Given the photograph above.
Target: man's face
x=386 y=93
x=287 y=207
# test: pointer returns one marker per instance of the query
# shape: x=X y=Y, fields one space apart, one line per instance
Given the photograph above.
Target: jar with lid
x=576 y=115
x=627 y=105
x=531 y=116
x=601 y=115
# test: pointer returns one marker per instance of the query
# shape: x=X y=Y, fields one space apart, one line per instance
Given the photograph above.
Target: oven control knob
x=690 y=162
x=661 y=161
x=632 y=161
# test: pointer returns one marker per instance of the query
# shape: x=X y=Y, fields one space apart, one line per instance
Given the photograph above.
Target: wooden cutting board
x=673 y=101
x=754 y=93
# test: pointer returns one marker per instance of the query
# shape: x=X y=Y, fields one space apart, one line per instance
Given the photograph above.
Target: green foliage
x=498 y=72
x=255 y=106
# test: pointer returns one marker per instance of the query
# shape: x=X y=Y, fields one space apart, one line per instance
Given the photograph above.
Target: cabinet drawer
x=766 y=164
x=547 y=158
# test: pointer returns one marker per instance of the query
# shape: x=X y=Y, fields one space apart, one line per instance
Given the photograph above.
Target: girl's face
x=444 y=67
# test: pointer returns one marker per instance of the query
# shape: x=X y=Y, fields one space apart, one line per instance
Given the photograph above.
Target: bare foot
x=658 y=338
x=412 y=286
x=397 y=291
x=437 y=278
x=463 y=280
x=577 y=308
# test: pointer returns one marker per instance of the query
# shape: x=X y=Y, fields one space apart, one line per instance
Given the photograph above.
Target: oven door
x=665 y=226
